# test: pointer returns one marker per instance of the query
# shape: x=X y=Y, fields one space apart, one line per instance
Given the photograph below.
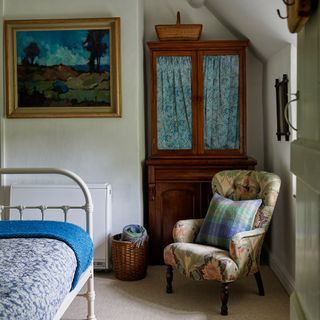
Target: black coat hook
x=279 y=14
x=287 y=3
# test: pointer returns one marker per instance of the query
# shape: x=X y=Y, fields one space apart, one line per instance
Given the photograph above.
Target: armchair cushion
x=225 y=218
x=201 y=262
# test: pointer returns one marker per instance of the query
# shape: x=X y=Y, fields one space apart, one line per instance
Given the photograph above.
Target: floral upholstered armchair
x=242 y=257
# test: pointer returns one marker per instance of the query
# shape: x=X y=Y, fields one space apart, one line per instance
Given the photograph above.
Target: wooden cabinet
x=175 y=201
x=197 y=125
x=197 y=98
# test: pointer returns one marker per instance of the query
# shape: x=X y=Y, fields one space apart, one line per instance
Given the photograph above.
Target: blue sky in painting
x=58 y=47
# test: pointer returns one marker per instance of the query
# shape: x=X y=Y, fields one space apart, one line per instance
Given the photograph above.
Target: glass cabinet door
x=221 y=105
x=198 y=99
x=174 y=107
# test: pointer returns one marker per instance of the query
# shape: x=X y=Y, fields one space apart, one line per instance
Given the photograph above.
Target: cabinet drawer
x=189 y=174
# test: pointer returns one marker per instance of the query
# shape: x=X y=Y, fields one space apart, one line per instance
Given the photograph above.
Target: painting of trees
x=31 y=52
x=97 y=48
x=63 y=68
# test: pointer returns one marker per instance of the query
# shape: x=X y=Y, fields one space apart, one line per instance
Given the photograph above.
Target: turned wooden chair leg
x=258 y=278
x=169 y=276
x=224 y=295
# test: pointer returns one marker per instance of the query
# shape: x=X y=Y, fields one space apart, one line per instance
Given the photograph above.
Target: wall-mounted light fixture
x=282 y=101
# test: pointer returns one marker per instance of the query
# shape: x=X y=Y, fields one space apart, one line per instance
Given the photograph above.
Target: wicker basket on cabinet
x=178 y=31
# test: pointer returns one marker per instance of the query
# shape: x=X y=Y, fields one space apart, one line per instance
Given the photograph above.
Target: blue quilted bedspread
x=74 y=236
x=40 y=262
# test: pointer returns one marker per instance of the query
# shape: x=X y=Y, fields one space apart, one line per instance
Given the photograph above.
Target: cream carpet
x=191 y=300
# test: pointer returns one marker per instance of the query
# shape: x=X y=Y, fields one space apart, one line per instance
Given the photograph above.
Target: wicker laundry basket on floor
x=129 y=261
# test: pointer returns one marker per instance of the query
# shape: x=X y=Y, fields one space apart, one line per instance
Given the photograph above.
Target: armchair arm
x=245 y=248
x=186 y=230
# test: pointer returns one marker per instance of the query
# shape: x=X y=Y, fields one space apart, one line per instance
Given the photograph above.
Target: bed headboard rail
x=43 y=208
x=87 y=207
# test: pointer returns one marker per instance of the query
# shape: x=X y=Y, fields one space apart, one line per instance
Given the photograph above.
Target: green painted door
x=305 y=164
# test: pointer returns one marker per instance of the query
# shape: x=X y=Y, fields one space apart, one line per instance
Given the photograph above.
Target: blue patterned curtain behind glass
x=221 y=102
x=174 y=103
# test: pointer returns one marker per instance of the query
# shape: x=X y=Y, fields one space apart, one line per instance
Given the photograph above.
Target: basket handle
x=178 y=17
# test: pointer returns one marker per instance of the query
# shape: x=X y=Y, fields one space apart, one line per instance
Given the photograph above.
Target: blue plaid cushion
x=225 y=218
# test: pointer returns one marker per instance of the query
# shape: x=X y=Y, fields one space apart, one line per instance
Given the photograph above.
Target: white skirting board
x=58 y=195
x=286 y=280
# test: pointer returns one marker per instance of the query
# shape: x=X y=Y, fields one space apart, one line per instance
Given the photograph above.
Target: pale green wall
x=99 y=150
x=281 y=239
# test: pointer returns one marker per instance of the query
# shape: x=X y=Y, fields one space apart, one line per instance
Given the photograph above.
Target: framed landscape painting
x=63 y=68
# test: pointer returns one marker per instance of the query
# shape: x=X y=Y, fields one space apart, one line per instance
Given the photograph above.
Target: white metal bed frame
x=88 y=275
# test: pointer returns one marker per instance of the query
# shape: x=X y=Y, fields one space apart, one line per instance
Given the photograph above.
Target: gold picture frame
x=62 y=68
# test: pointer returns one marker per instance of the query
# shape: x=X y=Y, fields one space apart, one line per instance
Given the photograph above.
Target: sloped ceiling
x=256 y=20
